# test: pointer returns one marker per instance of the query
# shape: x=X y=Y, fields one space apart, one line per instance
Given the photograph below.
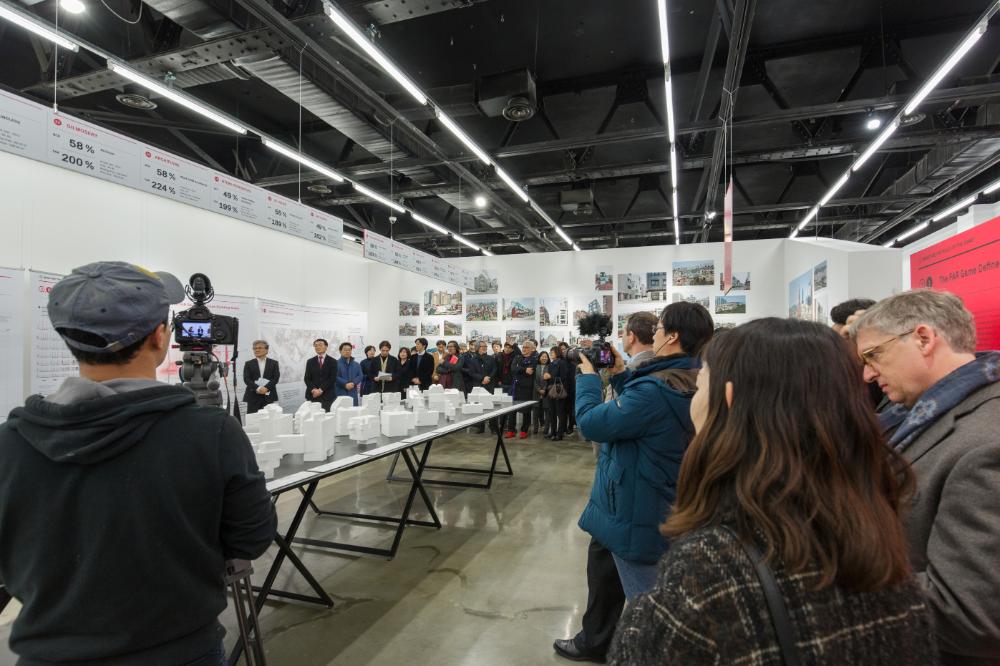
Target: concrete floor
x=503 y=578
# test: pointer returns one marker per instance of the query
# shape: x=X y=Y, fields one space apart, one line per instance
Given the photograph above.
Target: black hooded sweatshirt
x=117 y=513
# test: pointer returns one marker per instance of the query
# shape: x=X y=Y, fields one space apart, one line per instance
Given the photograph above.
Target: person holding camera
x=643 y=432
x=120 y=497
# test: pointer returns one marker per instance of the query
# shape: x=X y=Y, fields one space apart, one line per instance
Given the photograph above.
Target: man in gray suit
x=920 y=347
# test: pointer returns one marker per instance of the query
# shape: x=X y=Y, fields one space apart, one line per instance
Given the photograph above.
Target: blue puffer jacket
x=645 y=433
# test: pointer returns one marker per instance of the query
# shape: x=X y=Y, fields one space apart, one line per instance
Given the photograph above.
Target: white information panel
x=290 y=331
x=233 y=197
x=175 y=178
x=403 y=256
x=327 y=229
x=51 y=361
x=11 y=339
x=22 y=127
x=378 y=248
x=92 y=150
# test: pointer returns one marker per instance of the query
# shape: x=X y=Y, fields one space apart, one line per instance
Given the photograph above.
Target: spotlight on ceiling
x=873 y=123
x=73 y=6
x=480 y=201
x=136 y=101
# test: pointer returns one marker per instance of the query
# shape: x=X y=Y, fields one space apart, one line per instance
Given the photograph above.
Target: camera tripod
x=238 y=579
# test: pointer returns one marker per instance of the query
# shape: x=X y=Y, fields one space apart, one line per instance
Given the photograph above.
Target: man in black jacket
x=121 y=498
x=321 y=376
x=387 y=366
x=481 y=370
x=423 y=365
x=522 y=374
x=259 y=394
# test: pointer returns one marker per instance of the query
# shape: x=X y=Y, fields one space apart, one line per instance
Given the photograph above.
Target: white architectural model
x=426 y=417
x=472 y=408
x=397 y=423
x=344 y=415
x=502 y=398
x=363 y=428
x=482 y=396
x=389 y=399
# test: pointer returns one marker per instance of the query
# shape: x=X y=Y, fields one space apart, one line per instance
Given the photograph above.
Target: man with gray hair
x=920 y=347
x=260 y=377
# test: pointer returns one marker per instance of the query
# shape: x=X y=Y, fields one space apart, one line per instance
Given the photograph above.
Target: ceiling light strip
x=668 y=89
x=304 y=160
x=372 y=194
x=949 y=64
x=352 y=31
x=346 y=25
x=964 y=203
x=37 y=27
x=185 y=101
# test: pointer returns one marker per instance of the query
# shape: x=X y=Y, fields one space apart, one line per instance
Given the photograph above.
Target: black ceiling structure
x=567 y=95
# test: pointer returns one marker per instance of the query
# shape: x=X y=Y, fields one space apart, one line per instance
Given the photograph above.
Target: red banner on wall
x=967 y=265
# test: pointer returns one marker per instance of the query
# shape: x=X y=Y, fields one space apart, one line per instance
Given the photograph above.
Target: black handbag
x=775 y=602
x=557 y=391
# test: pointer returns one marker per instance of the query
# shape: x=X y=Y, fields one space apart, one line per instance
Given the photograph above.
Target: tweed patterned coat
x=708 y=608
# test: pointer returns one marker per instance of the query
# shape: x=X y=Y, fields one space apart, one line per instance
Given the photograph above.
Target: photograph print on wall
x=452 y=327
x=430 y=327
x=741 y=282
x=730 y=305
x=442 y=303
x=819 y=276
x=409 y=329
x=484 y=282
x=604 y=278
x=519 y=335
x=704 y=300
x=409 y=309
x=553 y=311
x=696 y=273
x=519 y=308
x=481 y=309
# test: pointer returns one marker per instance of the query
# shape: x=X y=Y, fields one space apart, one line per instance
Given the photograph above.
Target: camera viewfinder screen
x=198 y=330
x=606 y=357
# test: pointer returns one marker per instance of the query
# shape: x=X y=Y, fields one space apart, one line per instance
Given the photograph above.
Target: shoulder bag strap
x=775 y=602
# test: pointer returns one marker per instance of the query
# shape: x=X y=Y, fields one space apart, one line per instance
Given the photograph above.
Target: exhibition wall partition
x=542 y=295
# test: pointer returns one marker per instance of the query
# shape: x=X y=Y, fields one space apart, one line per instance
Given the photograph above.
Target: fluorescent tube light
x=462 y=136
x=794 y=233
x=362 y=41
x=890 y=243
x=964 y=203
x=427 y=223
x=302 y=159
x=671 y=134
x=990 y=189
x=350 y=238
x=487 y=252
x=183 y=100
x=371 y=194
x=465 y=241
x=945 y=67
x=673 y=166
x=876 y=144
x=833 y=190
x=661 y=12
x=576 y=248
x=564 y=235
x=37 y=27
x=915 y=230
x=512 y=185
x=677 y=218
x=73 y=6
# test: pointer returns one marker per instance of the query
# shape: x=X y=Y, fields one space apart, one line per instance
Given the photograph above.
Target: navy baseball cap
x=119 y=302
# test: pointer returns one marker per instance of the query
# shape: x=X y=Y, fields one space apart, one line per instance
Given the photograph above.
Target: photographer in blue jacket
x=644 y=433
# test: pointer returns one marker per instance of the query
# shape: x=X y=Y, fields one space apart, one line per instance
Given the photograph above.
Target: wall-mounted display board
x=967 y=265
x=11 y=339
x=39 y=133
x=51 y=361
x=387 y=251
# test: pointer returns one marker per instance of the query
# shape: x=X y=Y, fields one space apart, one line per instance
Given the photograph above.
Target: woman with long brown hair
x=789 y=463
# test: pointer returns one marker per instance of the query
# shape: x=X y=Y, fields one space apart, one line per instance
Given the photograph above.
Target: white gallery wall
x=853 y=270
x=52 y=219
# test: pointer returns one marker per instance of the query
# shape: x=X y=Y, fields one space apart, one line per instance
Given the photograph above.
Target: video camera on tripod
x=196 y=331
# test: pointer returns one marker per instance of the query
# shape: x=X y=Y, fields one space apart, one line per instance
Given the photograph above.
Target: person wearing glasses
x=643 y=432
x=804 y=477
x=920 y=348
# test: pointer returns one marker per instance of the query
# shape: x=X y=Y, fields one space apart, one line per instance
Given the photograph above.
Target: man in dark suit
x=321 y=376
x=423 y=364
x=384 y=364
x=260 y=395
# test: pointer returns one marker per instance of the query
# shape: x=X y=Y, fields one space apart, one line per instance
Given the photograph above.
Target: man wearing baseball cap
x=120 y=497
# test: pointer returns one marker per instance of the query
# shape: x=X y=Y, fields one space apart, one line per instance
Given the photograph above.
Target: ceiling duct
x=510 y=95
x=933 y=171
x=578 y=202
